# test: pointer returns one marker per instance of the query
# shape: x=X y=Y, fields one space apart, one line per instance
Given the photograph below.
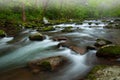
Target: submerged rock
x=36 y=37
x=101 y=42
x=2 y=34
x=47 y=64
x=60 y=38
x=109 y=52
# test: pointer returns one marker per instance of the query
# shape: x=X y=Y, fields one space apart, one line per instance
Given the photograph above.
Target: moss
x=48 y=28
x=2 y=32
x=67 y=29
x=93 y=73
x=111 y=50
x=46 y=66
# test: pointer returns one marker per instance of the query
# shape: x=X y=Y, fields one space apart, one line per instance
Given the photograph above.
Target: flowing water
x=19 y=51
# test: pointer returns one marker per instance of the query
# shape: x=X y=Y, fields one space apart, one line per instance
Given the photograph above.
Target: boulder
x=60 y=38
x=64 y=44
x=2 y=34
x=72 y=47
x=47 y=64
x=78 y=49
x=109 y=52
x=36 y=37
x=68 y=29
x=101 y=42
x=117 y=20
x=91 y=48
x=48 y=28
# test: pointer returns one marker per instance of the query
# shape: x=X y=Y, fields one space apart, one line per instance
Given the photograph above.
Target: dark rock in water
x=2 y=34
x=91 y=48
x=36 y=37
x=90 y=23
x=64 y=44
x=47 y=64
x=101 y=42
x=109 y=52
x=117 y=20
x=60 y=39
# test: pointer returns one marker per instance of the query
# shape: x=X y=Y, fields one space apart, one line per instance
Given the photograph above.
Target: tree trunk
x=45 y=5
x=23 y=12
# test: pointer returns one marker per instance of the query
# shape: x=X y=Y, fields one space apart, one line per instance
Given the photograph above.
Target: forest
x=59 y=40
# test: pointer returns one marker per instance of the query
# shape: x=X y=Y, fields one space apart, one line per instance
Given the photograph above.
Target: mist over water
x=105 y=4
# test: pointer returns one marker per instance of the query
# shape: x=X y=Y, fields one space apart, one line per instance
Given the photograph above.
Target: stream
x=21 y=50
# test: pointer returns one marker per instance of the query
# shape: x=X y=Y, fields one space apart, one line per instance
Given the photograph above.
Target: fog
x=106 y=4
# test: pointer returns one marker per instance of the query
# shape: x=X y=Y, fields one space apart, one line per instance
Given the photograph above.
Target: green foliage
x=2 y=32
x=58 y=10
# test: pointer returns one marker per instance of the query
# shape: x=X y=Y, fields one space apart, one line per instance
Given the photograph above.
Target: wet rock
x=117 y=20
x=2 y=34
x=109 y=52
x=47 y=64
x=48 y=28
x=36 y=37
x=101 y=42
x=64 y=44
x=104 y=72
x=78 y=49
x=67 y=29
x=72 y=47
x=91 y=48
x=60 y=38
x=90 y=23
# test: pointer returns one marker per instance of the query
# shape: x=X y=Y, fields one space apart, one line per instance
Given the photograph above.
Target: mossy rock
x=102 y=42
x=36 y=37
x=92 y=74
x=2 y=33
x=48 y=28
x=46 y=66
x=67 y=29
x=110 y=51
